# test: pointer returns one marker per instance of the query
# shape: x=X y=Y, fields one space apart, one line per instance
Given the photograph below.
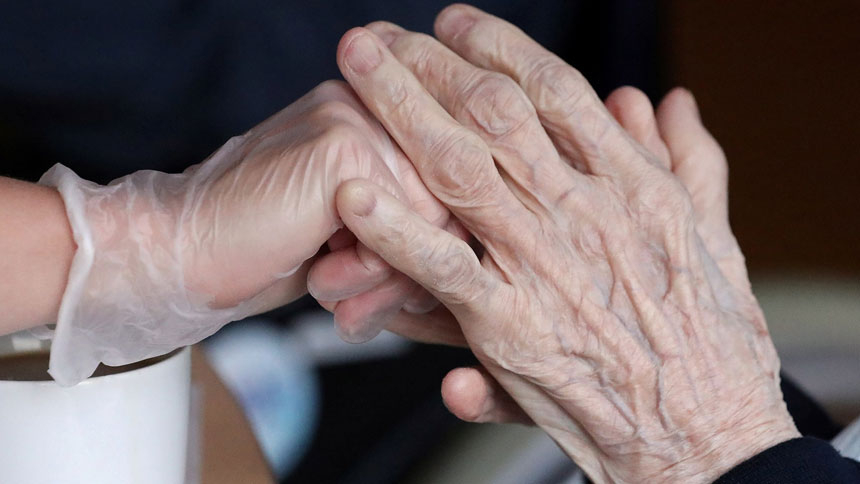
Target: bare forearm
x=36 y=250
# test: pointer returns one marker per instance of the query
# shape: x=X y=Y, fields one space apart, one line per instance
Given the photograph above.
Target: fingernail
x=322 y=294
x=362 y=201
x=314 y=292
x=454 y=23
x=420 y=305
x=363 y=55
x=360 y=332
x=340 y=290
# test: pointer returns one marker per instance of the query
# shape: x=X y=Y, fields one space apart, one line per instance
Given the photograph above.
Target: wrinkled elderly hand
x=678 y=139
x=165 y=260
x=629 y=336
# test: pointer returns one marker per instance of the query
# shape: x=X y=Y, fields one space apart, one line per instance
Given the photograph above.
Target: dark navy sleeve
x=804 y=460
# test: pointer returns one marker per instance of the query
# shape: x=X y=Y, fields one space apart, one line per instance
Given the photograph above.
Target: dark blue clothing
x=111 y=87
x=806 y=460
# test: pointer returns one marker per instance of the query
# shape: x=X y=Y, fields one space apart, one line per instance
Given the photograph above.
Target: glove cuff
x=125 y=299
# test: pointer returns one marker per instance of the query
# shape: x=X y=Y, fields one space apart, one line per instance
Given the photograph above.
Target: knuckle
x=416 y=50
x=497 y=104
x=561 y=88
x=398 y=100
x=454 y=271
x=401 y=101
x=594 y=130
x=402 y=234
x=663 y=194
x=400 y=95
x=462 y=168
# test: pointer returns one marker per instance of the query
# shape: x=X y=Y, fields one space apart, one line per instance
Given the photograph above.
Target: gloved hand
x=165 y=260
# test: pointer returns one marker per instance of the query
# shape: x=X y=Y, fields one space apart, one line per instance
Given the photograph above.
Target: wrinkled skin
x=677 y=138
x=627 y=334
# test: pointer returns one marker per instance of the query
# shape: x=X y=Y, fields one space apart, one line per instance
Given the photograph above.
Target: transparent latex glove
x=164 y=260
x=596 y=304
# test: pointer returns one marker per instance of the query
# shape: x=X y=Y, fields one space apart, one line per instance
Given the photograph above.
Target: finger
x=329 y=306
x=633 y=111
x=420 y=302
x=489 y=103
x=435 y=327
x=361 y=318
x=346 y=273
x=319 y=173
x=570 y=110
x=700 y=164
x=281 y=291
x=473 y=395
x=454 y=163
x=697 y=158
x=442 y=263
x=341 y=239
x=421 y=200
x=358 y=273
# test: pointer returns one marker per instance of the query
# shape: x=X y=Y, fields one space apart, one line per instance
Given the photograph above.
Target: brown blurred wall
x=778 y=84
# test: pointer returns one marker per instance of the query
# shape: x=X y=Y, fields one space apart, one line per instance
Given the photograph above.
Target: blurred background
x=112 y=87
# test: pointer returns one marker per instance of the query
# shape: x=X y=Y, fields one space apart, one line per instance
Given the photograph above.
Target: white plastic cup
x=125 y=428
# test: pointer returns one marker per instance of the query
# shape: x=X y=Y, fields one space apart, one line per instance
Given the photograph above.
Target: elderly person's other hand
x=630 y=337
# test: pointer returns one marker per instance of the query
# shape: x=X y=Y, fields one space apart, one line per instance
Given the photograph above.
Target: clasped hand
x=605 y=295
x=609 y=299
